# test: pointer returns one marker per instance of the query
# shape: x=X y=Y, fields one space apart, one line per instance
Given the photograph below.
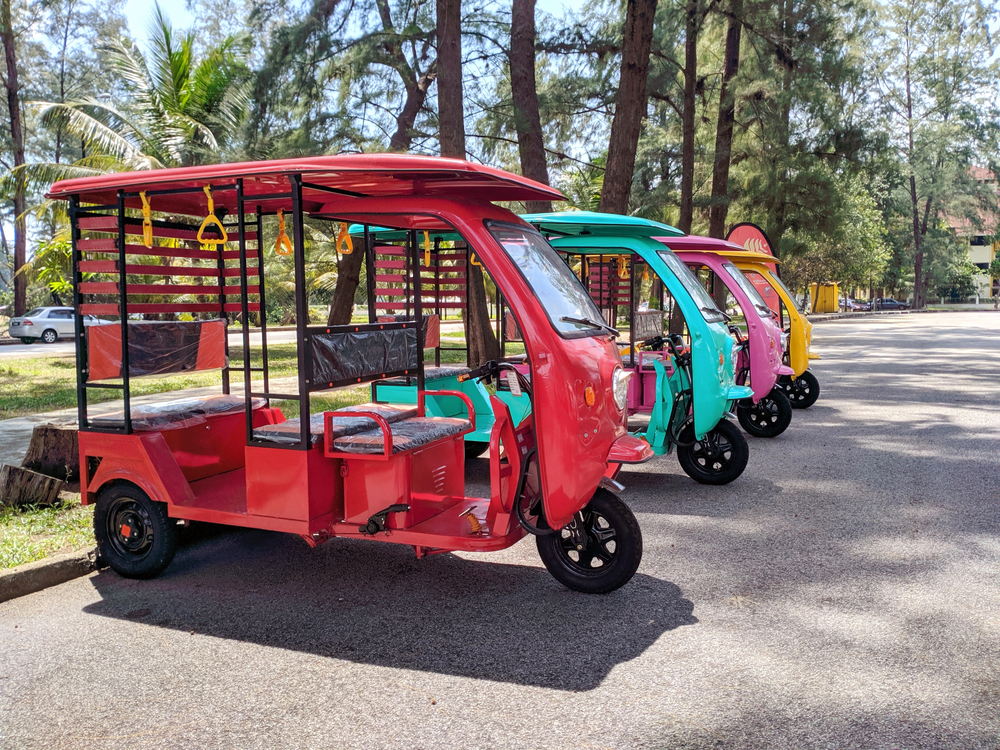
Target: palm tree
x=173 y=110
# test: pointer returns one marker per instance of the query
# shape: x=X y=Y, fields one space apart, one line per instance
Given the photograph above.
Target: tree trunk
x=687 y=115
x=54 y=450
x=527 y=121
x=479 y=335
x=348 y=277
x=918 y=255
x=17 y=146
x=630 y=106
x=776 y=224
x=416 y=94
x=719 y=209
x=451 y=110
x=19 y=487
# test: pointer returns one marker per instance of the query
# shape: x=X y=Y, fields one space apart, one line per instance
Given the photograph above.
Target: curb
x=42 y=574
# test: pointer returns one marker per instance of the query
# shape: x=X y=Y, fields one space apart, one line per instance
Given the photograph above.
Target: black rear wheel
x=474 y=449
x=135 y=536
x=27 y=340
x=599 y=551
x=801 y=392
x=718 y=458
x=769 y=417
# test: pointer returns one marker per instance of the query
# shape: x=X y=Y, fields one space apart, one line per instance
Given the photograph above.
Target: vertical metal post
x=244 y=309
x=631 y=309
x=78 y=329
x=263 y=302
x=123 y=312
x=437 y=297
x=301 y=309
x=370 y=273
x=222 y=312
x=418 y=313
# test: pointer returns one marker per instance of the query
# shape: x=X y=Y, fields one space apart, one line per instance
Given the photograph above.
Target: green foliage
x=33 y=533
x=959 y=282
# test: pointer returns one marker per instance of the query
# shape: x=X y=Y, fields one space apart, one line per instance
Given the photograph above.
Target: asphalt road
x=842 y=594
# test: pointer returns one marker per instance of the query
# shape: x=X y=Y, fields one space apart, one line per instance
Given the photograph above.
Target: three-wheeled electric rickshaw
x=379 y=471
x=768 y=412
x=688 y=389
x=761 y=267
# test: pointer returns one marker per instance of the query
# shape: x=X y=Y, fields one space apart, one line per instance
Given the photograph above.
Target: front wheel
x=135 y=536
x=49 y=336
x=769 y=417
x=599 y=551
x=801 y=392
x=718 y=458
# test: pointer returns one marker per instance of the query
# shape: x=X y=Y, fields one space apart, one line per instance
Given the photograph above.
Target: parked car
x=855 y=305
x=49 y=324
x=888 y=303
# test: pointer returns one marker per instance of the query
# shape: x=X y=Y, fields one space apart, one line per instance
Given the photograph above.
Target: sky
x=139 y=12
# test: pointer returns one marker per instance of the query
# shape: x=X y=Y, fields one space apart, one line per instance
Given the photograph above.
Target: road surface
x=843 y=593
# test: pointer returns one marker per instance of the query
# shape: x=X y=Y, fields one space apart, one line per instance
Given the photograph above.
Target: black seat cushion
x=175 y=415
x=406 y=435
x=288 y=432
x=430 y=373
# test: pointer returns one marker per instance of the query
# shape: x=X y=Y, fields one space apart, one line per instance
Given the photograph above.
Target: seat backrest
x=342 y=355
x=156 y=348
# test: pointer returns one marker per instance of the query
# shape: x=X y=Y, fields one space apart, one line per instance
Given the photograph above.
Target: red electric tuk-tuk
x=371 y=471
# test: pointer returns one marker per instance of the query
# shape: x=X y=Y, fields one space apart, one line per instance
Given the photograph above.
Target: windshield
x=775 y=279
x=555 y=285
x=748 y=289
x=709 y=310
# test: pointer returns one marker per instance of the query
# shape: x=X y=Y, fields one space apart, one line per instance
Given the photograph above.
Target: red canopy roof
x=352 y=175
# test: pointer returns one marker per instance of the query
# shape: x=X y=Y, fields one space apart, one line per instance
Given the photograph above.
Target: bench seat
x=430 y=373
x=288 y=432
x=406 y=435
x=175 y=415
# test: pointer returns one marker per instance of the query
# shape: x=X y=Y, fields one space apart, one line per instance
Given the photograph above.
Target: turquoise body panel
x=711 y=343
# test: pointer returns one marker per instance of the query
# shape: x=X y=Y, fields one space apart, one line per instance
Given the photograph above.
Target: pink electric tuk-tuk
x=768 y=412
x=179 y=257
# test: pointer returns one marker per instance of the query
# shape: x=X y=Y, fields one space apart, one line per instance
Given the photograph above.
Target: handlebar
x=491 y=370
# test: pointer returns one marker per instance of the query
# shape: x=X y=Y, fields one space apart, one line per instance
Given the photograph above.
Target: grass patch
x=32 y=533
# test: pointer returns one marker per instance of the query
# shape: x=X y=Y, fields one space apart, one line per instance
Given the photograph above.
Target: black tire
x=719 y=458
x=49 y=336
x=768 y=418
x=27 y=340
x=474 y=449
x=801 y=392
x=596 y=569
x=135 y=536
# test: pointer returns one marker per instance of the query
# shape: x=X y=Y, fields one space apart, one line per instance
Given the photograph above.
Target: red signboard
x=751 y=237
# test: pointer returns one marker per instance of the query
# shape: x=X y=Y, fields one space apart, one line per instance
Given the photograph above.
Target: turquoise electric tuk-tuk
x=685 y=383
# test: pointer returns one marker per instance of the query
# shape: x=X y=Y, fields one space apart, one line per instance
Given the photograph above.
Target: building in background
x=981 y=248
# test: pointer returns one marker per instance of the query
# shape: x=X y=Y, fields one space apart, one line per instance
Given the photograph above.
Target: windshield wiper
x=724 y=315
x=592 y=323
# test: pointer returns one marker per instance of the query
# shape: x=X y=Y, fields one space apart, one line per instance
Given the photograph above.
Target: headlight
x=619 y=386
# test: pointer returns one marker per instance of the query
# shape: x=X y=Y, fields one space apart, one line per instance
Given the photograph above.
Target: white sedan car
x=49 y=324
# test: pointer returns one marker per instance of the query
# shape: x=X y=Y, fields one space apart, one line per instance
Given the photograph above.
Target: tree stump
x=54 y=451
x=19 y=487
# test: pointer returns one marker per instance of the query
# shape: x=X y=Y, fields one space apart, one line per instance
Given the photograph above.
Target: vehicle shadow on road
x=376 y=604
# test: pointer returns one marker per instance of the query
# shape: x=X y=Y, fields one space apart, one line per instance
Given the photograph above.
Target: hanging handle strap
x=211 y=220
x=345 y=245
x=427 y=249
x=474 y=261
x=282 y=245
x=147 y=221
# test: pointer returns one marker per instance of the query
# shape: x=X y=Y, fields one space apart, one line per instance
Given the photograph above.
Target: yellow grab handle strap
x=282 y=245
x=622 y=268
x=345 y=245
x=147 y=222
x=211 y=219
x=473 y=260
x=427 y=249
